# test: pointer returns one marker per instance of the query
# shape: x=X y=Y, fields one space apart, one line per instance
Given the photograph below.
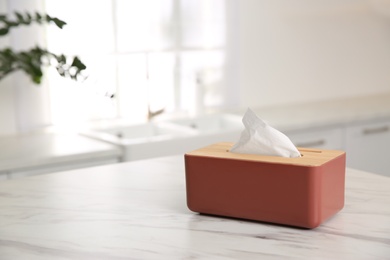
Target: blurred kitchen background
x=319 y=71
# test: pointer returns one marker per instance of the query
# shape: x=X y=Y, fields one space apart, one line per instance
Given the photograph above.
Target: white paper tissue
x=260 y=138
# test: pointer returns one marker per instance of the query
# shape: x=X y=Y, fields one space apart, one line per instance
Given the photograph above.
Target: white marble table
x=137 y=210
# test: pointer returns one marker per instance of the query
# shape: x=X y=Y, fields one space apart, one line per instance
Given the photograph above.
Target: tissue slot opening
x=300 y=149
x=310 y=151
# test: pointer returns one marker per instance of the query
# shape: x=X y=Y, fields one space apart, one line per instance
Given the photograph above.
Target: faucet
x=153 y=114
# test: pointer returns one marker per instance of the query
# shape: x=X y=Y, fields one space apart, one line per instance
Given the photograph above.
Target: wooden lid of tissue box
x=303 y=191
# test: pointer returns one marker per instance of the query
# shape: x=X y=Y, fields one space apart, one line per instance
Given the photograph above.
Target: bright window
x=149 y=54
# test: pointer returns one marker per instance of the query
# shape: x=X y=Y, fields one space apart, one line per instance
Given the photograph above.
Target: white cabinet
x=368 y=147
x=324 y=138
x=367 y=144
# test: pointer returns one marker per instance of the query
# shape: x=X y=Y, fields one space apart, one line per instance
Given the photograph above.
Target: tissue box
x=303 y=191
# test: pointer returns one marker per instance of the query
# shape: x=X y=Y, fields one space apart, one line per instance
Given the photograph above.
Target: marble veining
x=137 y=210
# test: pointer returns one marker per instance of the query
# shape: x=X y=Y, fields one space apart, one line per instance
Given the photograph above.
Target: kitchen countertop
x=137 y=210
x=325 y=113
x=40 y=149
x=291 y=117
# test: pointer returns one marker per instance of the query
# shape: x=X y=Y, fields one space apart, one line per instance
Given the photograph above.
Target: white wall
x=7 y=112
x=304 y=50
x=286 y=52
x=24 y=106
x=7 y=115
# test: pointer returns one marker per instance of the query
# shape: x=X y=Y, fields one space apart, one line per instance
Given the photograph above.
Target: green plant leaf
x=37 y=79
x=38 y=17
x=59 y=22
x=19 y=16
x=61 y=59
x=21 y=19
x=32 y=61
x=29 y=17
x=3 y=31
x=77 y=63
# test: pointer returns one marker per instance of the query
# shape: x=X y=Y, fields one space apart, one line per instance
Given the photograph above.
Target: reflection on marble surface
x=137 y=210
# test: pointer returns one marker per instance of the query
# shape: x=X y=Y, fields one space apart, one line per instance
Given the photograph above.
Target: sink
x=210 y=129
x=143 y=133
x=212 y=123
x=144 y=140
x=171 y=137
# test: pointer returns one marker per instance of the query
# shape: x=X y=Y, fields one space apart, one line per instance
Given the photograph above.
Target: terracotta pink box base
x=302 y=192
